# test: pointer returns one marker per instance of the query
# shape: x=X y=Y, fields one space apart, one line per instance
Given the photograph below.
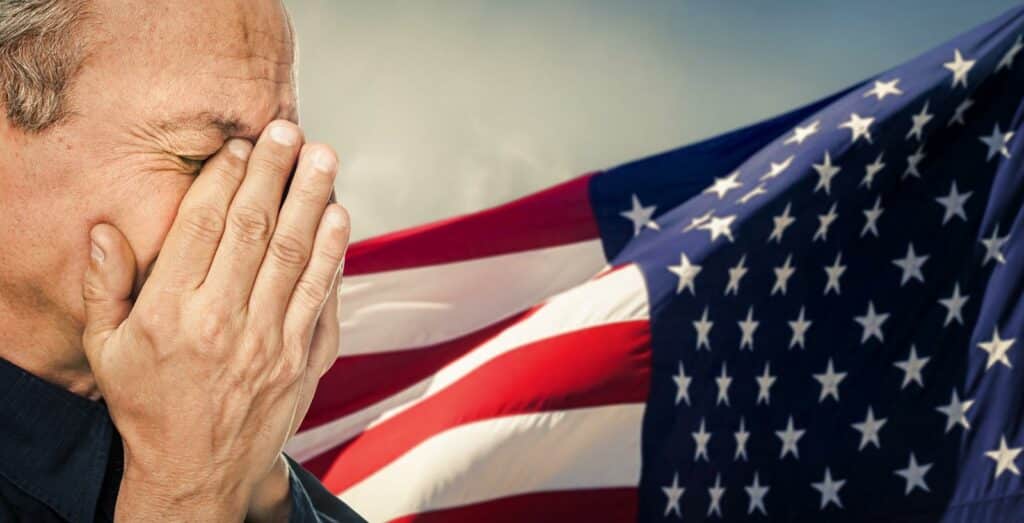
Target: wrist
x=146 y=495
x=271 y=500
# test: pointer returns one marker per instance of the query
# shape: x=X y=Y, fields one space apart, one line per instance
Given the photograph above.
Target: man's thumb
x=107 y=286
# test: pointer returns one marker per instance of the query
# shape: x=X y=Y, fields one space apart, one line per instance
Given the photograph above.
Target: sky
x=439 y=108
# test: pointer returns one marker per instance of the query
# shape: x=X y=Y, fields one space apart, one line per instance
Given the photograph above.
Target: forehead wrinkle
x=226 y=124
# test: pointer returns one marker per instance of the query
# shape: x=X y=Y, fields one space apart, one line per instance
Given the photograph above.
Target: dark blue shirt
x=61 y=459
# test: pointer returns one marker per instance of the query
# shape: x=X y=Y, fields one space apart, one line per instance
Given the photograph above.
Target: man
x=167 y=307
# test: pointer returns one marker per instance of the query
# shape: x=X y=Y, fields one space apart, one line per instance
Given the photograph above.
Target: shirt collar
x=54 y=444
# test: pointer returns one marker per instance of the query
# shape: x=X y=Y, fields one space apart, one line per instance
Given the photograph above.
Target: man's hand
x=203 y=375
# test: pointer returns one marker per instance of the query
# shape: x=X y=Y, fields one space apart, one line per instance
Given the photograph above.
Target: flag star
x=911 y=368
x=997 y=349
x=958 y=113
x=682 y=382
x=914 y=474
x=913 y=161
x=829 y=489
x=994 y=247
x=777 y=168
x=701 y=438
x=869 y=430
x=698 y=221
x=956 y=412
x=953 y=204
x=756 y=191
x=960 y=68
x=756 y=491
x=1004 y=457
x=918 y=122
x=799 y=326
x=1007 y=59
x=834 y=272
x=824 y=222
x=719 y=227
x=703 y=328
x=674 y=493
x=911 y=266
x=883 y=89
x=790 y=437
x=687 y=272
x=826 y=172
x=716 y=492
x=741 y=441
x=640 y=216
x=782 y=275
x=723 y=381
x=782 y=222
x=764 y=384
x=997 y=142
x=872 y=323
x=829 y=380
x=801 y=133
x=735 y=275
x=872 y=215
x=747 y=327
x=954 y=306
x=858 y=127
x=724 y=185
x=872 y=169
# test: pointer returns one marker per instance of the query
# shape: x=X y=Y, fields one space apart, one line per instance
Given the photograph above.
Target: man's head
x=109 y=108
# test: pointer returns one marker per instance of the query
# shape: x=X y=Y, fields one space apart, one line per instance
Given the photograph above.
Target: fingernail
x=334 y=218
x=97 y=253
x=284 y=134
x=323 y=161
x=239 y=149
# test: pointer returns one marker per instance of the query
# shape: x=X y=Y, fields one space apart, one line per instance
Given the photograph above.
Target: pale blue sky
x=439 y=108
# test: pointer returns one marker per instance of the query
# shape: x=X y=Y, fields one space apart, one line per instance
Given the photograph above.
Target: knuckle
x=311 y=291
x=203 y=222
x=252 y=224
x=291 y=366
x=212 y=329
x=289 y=251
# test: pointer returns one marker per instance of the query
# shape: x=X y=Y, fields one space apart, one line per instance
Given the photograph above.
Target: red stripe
x=556 y=216
x=605 y=505
x=602 y=365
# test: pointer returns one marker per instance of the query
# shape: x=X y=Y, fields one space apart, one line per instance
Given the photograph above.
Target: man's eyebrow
x=227 y=125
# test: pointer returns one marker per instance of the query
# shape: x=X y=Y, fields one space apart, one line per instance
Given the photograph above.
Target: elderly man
x=169 y=258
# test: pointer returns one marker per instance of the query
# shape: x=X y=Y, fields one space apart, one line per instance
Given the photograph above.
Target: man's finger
x=107 y=285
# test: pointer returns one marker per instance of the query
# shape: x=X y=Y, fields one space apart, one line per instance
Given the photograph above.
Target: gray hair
x=40 y=54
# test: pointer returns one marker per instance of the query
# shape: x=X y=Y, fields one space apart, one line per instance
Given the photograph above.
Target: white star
x=703 y=328
x=698 y=221
x=682 y=385
x=918 y=122
x=764 y=384
x=997 y=142
x=959 y=67
x=824 y=222
x=782 y=275
x=829 y=489
x=735 y=275
x=826 y=172
x=914 y=474
x=1007 y=59
x=872 y=169
x=956 y=412
x=872 y=323
x=954 y=204
x=756 y=491
x=801 y=133
x=994 y=247
x=687 y=272
x=790 y=437
x=1004 y=457
x=719 y=227
x=724 y=185
x=872 y=215
x=756 y=191
x=834 y=272
x=911 y=368
x=640 y=216
x=954 y=305
x=741 y=441
x=723 y=381
x=799 y=326
x=882 y=89
x=997 y=349
x=858 y=127
x=912 y=163
x=830 y=380
x=701 y=438
x=748 y=326
x=911 y=266
x=869 y=430
x=782 y=221
x=958 y=113
x=777 y=168
x=673 y=492
x=716 y=492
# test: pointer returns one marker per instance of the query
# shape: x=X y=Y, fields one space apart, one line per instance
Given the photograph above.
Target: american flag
x=814 y=318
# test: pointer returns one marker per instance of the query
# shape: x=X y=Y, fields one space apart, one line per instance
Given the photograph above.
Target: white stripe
x=615 y=297
x=410 y=308
x=594 y=447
